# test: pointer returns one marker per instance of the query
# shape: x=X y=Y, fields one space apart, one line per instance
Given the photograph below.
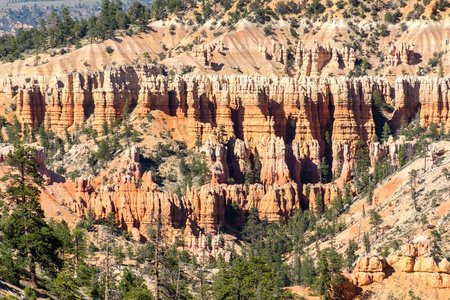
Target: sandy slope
x=241 y=47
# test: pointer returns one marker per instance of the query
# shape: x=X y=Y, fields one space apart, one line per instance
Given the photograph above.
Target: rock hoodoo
x=299 y=112
x=411 y=258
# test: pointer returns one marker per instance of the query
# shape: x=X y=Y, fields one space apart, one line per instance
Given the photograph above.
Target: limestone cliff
x=287 y=121
x=284 y=127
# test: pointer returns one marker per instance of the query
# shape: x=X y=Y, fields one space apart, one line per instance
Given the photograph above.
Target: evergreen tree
x=26 y=134
x=375 y=138
x=338 y=203
x=433 y=131
x=375 y=220
x=402 y=160
x=24 y=229
x=366 y=242
x=246 y=279
x=306 y=271
x=79 y=246
x=29 y=293
x=105 y=129
x=43 y=136
x=328 y=137
x=328 y=270
x=362 y=167
x=323 y=171
x=412 y=185
x=423 y=220
x=34 y=131
x=442 y=132
x=350 y=256
x=248 y=176
x=319 y=203
x=347 y=194
x=9 y=270
x=14 y=130
x=198 y=140
x=133 y=286
x=64 y=286
x=200 y=274
x=386 y=132
x=257 y=169
x=436 y=245
x=62 y=232
x=252 y=229
x=69 y=139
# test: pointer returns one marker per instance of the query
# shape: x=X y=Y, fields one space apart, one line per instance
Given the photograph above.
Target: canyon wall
x=315 y=117
x=288 y=125
x=138 y=202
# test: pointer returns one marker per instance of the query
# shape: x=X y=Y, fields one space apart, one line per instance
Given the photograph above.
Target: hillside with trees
x=230 y=149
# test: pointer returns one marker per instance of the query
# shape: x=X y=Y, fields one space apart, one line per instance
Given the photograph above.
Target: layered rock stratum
x=291 y=124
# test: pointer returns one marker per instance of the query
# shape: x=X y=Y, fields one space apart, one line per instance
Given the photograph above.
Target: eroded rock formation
x=310 y=61
x=401 y=55
x=415 y=259
x=314 y=117
x=284 y=127
x=204 y=53
x=138 y=202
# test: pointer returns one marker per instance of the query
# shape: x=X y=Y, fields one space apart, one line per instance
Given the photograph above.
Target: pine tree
x=328 y=270
x=30 y=294
x=198 y=140
x=366 y=242
x=79 y=246
x=412 y=185
x=442 y=130
x=436 y=245
x=14 y=130
x=43 y=136
x=350 y=254
x=62 y=232
x=248 y=176
x=69 y=139
x=375 y=220
x=64 y=286
x=105 y=129
x=323 y=171
x=386 y=132
x=25 y=230
x=328 y=137
x=375 y=138
x=319 y=204
x=156 y=234
x=246 y=279
x=402 y=160
x=347 y=194
x=257 y=169
x=423 y=220
x=252 y=229
x=338 y=203
x=362 y=166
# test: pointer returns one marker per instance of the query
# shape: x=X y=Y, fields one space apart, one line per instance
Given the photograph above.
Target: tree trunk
x=156 y=260
x=106 y=272
x=33 y=273
x=76 y=258
x=178 y=276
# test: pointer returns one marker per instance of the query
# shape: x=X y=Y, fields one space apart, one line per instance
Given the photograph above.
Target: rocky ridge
x=299 y=110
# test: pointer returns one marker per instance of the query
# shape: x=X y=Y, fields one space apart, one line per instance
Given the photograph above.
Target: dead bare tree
x=156 y=233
